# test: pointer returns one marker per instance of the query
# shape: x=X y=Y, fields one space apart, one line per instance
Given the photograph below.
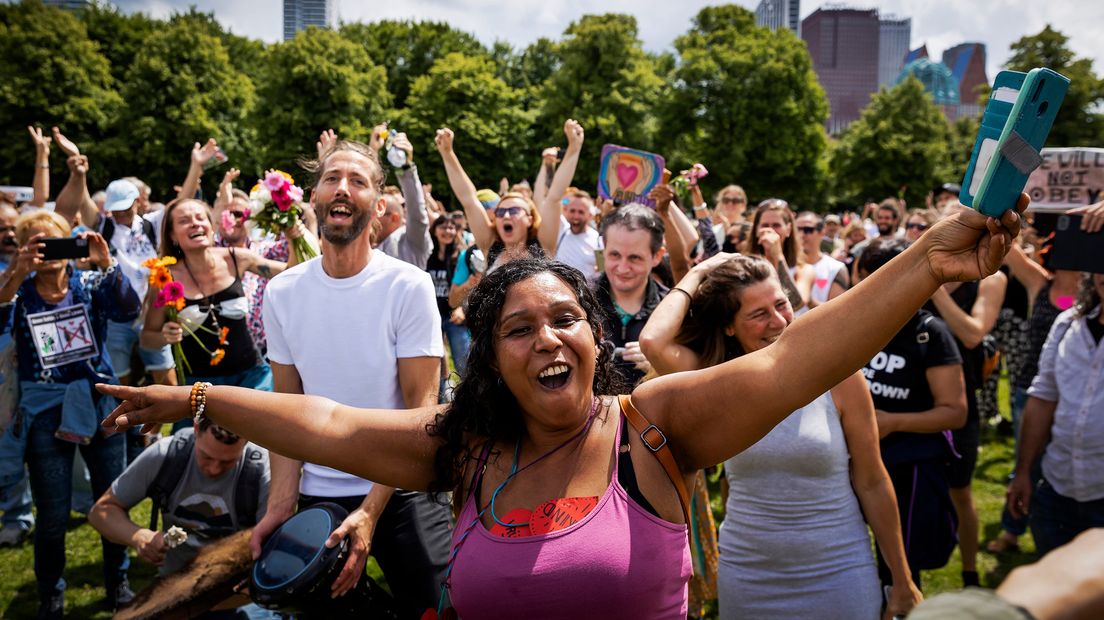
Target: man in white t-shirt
x=577 y=239
x=831 y=277
x=362 y=328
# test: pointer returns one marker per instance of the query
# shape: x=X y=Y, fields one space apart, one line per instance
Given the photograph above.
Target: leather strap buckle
x=648 y=443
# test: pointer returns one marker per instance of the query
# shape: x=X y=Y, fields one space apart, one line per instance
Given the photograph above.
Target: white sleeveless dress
x=793 y=543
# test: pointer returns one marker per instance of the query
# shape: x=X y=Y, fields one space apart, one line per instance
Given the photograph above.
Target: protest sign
x=1067 y=178
x=62 y=336
x=627 y=175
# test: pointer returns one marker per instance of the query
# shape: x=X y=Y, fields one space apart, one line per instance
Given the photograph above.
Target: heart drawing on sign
x=626 y=174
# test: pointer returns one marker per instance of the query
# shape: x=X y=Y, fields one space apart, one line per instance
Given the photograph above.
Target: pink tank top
x=619 y=561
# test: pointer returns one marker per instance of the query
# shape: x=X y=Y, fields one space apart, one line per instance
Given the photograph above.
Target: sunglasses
x=511 y=211
x=920 y=227
x=808 y=230
x=241 y=215
x=732 y=201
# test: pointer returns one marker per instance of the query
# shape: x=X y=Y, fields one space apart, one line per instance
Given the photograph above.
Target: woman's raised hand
x=968 y=245
x=574 y=132
x=148 y=407
x=444 y=140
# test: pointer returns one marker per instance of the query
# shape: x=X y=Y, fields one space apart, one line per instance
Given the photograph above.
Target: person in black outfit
x=917 y=385
x=633 y=240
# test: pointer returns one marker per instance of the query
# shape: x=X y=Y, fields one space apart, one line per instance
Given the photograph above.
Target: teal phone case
x=1014 y=127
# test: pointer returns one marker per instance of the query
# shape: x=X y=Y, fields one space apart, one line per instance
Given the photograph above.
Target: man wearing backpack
x=205 y=480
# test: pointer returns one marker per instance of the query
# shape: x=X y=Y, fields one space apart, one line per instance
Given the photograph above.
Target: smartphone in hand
x=1014 y=127
x=64 y=248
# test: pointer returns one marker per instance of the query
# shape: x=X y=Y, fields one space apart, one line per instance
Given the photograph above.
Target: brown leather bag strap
x=656 y=441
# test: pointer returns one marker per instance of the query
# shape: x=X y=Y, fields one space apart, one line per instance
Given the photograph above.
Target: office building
x=894 y=36
x=775 y=14
x=298 y=14
x=967 y=63
x=843 y=44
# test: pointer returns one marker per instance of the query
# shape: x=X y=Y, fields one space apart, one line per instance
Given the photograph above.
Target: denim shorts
x=121 y=338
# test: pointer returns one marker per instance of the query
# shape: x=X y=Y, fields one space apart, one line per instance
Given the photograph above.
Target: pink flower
x=227 y=222
x=296 y=193
x=173 y=290
x=274 y=181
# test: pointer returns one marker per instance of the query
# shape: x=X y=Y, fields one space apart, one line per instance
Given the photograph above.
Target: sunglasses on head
x=808 y=230
x=511 y=211
x=920 y=227
x=732 y=201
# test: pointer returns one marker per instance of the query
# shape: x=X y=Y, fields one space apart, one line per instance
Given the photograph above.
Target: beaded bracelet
x=198 y=400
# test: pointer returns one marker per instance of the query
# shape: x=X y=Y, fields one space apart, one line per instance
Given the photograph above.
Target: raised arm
x=417 y=217
x=675 y=237
x=550 y=208
x=41 y=181
x=74 y=198
x=200 y=156
x=1031 y=274
x=464 y=190
x=302 y=428
x=545 y=174
x=971 y=327
x=657 y=339
x=741 y=400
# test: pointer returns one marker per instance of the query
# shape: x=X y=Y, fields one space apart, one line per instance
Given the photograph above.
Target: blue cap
x=121 y=195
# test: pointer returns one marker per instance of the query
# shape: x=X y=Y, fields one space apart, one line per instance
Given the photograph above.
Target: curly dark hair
x=483 y=409
x=1087 y=298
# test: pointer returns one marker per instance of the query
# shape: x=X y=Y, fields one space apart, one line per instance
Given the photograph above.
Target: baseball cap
x=950 y=188
x=121 y=195
x=488 y=198
x=831 y=218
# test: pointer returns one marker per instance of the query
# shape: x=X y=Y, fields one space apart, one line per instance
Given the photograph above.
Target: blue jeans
x=459 y=340
x=15 y=501
x=1011 y=524
x=121 y=338
x=50 y=462
x=1057 y=519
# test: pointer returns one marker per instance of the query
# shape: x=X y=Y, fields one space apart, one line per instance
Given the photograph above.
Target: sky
x=938 y=23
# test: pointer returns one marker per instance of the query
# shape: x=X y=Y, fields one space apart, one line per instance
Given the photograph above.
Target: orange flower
x=160 y=277
x=223 y=333
x=179 y=303
x=217 y=356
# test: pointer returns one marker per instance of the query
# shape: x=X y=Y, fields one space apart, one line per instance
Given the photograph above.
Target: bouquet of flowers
x=170 y=296
x=276 y=205
x=689 y=178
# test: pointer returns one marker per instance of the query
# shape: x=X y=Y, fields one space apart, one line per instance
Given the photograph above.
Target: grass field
x=18 y=598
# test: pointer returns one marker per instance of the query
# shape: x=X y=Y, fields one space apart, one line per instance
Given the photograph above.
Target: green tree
x=181 y=89
x=120 y=36
x=897 y=147
x=407 y=49
x=963 y=134
x=745 y=102
x=607 y=83
x=316 y=81
x=463 y=93
x=1079 y=122
x=51 y=73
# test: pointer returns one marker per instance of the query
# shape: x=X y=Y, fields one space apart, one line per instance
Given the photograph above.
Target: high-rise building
x=775 y=14
x=298 y=14
x=844 y=46
x=967 y=63
x=894 y=36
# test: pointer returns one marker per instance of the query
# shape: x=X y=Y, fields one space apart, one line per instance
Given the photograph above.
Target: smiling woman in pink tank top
x=571 y=503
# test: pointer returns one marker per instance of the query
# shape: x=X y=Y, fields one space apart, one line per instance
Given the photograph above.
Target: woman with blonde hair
x=59 y=411
x=512 y=229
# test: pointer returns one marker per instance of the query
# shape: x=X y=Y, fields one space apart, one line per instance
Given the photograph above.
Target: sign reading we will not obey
x=1067 y=178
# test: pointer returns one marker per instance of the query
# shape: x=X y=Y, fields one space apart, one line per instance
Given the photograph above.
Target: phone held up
x=1013 y=129
x=64 y=248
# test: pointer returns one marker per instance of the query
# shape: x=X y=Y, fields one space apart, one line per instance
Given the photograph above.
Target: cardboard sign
x=62 y=336
x=627 y=175
x=1067 y=178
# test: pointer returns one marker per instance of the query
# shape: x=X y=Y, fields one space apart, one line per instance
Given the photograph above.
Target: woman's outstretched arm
x=711 y=414
x=304 y=428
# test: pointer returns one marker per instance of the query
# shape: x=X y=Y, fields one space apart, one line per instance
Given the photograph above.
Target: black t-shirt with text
x=898 y=381
x=441 y=273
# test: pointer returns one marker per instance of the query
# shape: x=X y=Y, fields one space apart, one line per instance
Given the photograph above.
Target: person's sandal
x=1003 y=544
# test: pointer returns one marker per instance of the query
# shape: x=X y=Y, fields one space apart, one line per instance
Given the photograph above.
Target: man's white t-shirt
x=345 y=337
x=827 y=268
x=578 y=250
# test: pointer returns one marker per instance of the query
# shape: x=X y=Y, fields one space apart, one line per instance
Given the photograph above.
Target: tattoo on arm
x=264 y=270
x=788 y=285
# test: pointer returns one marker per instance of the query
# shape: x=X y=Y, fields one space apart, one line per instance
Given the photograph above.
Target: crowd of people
x=518 y=398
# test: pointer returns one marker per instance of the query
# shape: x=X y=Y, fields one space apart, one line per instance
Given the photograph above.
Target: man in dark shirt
x=633 y=240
